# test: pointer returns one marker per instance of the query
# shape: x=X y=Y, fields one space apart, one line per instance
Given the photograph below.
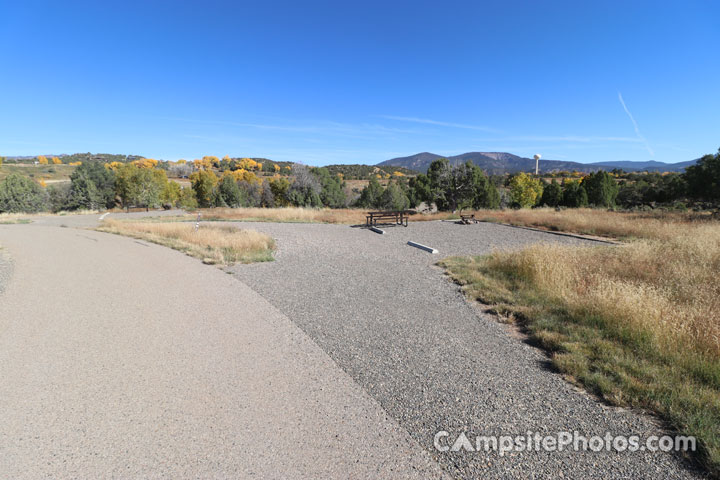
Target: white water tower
x=537 y=163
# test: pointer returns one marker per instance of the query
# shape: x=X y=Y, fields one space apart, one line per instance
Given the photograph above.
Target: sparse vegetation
x=638 y=324
x=346 y=216
x=13 y=218
x=211 y=243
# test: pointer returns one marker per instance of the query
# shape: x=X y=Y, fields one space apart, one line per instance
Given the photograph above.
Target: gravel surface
x=405 y=333
x=92 y=220
x=5 y=268
x=124 y=359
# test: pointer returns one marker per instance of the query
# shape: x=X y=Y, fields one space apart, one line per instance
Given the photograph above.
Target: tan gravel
x=119 y=358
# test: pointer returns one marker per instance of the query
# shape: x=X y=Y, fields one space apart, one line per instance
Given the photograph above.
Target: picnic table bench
x=467 y=218
x=399 y=217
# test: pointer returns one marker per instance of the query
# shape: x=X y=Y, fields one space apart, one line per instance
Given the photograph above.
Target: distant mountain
x=651 y=166
x=418 y=162
x=498 y=163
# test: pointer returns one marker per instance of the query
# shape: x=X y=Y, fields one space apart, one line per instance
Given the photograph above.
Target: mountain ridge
x=498 y=163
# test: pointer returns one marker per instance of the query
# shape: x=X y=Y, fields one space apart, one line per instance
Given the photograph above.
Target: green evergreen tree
x=103 y=181
x=84 y=194
x=331 y=188
x=703 y=178
x=229 y=194
x=393 y=198
x=552 y=195
x=19 y=194
x=574 y=195
x=601 y=188
x=370 y=195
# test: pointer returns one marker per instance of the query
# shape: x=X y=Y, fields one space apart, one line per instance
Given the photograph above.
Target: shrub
x=601 y=189
x=187 y=199
x=19 y=194
x=59 y=197
x=574 y=195
x=552 y=195
x=305 y=190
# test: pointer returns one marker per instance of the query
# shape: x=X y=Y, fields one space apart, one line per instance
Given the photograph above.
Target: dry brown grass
x=347 y=216
x=6 y=218
x=638 y=324
x=661 y=225
x=211 y=243
x=11 y=218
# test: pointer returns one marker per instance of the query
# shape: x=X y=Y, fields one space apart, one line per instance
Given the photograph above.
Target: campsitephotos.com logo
x=561 y=441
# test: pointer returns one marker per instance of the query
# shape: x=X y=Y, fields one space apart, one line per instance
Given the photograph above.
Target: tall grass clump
x=211 y=243
x=638 y=324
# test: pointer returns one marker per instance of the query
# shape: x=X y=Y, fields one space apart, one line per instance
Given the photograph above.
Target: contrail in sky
x=637 y=129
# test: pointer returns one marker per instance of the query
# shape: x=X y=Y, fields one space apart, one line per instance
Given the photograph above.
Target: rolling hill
x=498 y=163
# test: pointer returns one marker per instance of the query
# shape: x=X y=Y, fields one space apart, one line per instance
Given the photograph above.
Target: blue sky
x=361 y=82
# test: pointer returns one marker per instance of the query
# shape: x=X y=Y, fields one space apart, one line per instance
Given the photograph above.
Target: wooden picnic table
x=399 y=217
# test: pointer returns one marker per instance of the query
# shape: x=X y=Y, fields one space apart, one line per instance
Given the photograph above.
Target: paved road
x=386 y=315
x=121 y=359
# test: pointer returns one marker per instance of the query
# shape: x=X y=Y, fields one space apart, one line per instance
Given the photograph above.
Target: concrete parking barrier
x=422 y=247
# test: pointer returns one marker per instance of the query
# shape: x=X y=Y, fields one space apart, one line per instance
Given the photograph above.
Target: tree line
x=699 y=183
x=142 y=183
x=238 y=183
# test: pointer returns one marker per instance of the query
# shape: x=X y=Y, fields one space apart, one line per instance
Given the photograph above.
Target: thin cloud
x=563 y=138
x=635 y=124
x=325 y=128
x=427 y=121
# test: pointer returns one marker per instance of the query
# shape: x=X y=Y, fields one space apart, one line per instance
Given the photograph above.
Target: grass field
x=214 y=244
x=48 y=173
x=638 y=324
x=660 y=225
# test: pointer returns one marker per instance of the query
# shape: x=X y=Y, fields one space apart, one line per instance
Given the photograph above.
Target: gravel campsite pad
x=390 y=318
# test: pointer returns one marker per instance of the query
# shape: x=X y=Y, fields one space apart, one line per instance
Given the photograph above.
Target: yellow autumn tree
x=525 y=190
x=56 y=161
x=75 y=164
x=242 y=175
x=206 y=163
x=145 y=163
x=114 y=165
x=277 y=168
x=211 y=161
x=42 y=160
x=249 y=164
